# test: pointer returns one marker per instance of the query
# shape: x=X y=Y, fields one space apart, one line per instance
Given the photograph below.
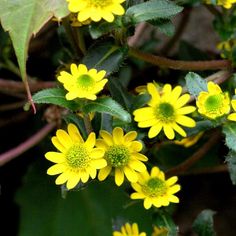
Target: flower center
x=78 y=156
x=165 y=112
x=154 y=187
x=100 y=3
x=117 y=155
x=213 y=103
x=85 y=82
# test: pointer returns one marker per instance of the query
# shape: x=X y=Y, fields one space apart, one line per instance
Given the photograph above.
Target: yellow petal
x=186 y=121
x=58 y=145
x=186 y=110
x=173 y=199
x=97 y=153
x=137 y=196
x=74 y=133
x=171 y=180
x=64 y=138
x=154 y=130
x=179 y=130
x=135 y=146
x=55 y=157
x=91 y=140
x=130 y=174
x=74 y=70
x=118 y=134
x=232 y=117
x=61 y=179
x=182 y=100
x=73 y=181
x=119 y=176
x=84 y=176
x=174 y=189
x=147 y=203
x=107 y=137
x=139 y=156
x=176 y=93
x=130 y=136
x=137 y=165
x=169 y=132
x=103 y=173
x=56 y=169
x=98 y=163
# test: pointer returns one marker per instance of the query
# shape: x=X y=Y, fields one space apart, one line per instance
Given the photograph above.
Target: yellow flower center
x=154 y=187
x=100 y=3
x=117 y=155
x=213 y=103
x=78 y=156
x=85 y=82
x=165 y=112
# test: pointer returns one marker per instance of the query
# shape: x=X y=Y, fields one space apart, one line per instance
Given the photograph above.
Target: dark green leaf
x=203 y=224
x=164 y=25
x=153 y=9
x=105 y=56
x=54 y=96
x=229 y=130
x=231 y=162
x=195 y=83
x=203 y=125
x=140 y=100
x=109 y=106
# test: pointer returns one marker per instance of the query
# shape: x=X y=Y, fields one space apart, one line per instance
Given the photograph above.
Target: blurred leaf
x=99 y=29
x=105 y=56
x=195 y=83
x=55 y=96
x=231 y=162
x=164 y=25
x=140 y=100
x=163 y=219
x=203 y=224
x=152 y=10
x=202 y=125
x=25 y=18
x=94 y=210
x=109 y=106
x=229 y=129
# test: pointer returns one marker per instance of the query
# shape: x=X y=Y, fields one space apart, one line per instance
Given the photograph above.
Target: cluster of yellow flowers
x=226 y=48
x=133 y=230
x=224 y=3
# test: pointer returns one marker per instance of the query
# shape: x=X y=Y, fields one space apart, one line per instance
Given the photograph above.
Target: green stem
x=81 y=42
x=180 y=65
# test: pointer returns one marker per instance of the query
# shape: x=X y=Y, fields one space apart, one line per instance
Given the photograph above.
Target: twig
x=36 y=138
x=208 y=170
x=139 y=31
x=200 y=153
x=87 y=123
x=178 y=64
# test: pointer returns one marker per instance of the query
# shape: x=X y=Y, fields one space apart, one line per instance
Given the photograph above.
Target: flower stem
x=36 y=138
x=179 y=65
x=87 y=123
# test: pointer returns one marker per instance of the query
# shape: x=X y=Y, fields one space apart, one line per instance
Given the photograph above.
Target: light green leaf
x=203 y=225
x=229 y=130
x=195 y=83
x=55 y=96
x=105 y=56
x=24 y=18
x=153 y=9
x=231 y=162
x=109 y=106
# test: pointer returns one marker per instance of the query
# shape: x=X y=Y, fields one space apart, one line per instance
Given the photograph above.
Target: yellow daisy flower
x=214 y=103
x=122 y=155
x=77 y=160
x=160 y=231
x=165 y=111
x=154 y=189
x=82 y=83
x=232 y=116
x=129 y=230
x=189 y=141
x=96 y=9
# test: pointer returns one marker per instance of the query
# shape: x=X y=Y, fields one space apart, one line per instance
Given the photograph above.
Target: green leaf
x=140 y=100
x=153 y=9
x=109 y=106
x=105 y=56
x=164 y=25
x=55 y=96
x=202 y=125
x=229 y=130
x=231 y=162
x=195 y=83
x=25 y=18
x=203 y=224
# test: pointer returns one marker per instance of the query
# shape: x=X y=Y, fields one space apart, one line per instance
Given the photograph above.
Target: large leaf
x=230 y=135
x=54 y=96
x=95 y=209
x=203 y=225
x=109 y=106
x=195 y=83
x=153 y=9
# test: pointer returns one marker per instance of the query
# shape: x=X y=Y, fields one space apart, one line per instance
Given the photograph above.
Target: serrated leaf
x=153 y=9
x=231 y=163
x=203 y=224
x=108 y=106
x=229 y=130
x=195 y=83
x=55 y=96
x=105 y=56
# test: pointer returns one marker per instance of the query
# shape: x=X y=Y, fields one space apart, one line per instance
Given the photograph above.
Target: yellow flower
x=154 y=189
x=225 y=3
x=96 y=9
x=189 y=141
x=160 y=231
x=165 y=111
x=82 y=83
x=226 y=48
x=77 y=159
x=232 y=116
x=129 y=230
x=214 y=103
x=122 y=155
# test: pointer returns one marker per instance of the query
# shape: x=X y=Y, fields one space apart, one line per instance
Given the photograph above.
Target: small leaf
x=231 y=162
x=55 y=96
x=109 y=106
x=153 y=9
x=203 y=224
x=229 y=130
x=195 y=83
x=105 y=56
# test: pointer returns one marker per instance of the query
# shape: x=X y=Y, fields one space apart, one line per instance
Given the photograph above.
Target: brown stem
x=87 y=123
x=12 y=106
x=200 y=153
x=180 y=65
x=36 y=138
x=139 y=32
x=208 y=170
